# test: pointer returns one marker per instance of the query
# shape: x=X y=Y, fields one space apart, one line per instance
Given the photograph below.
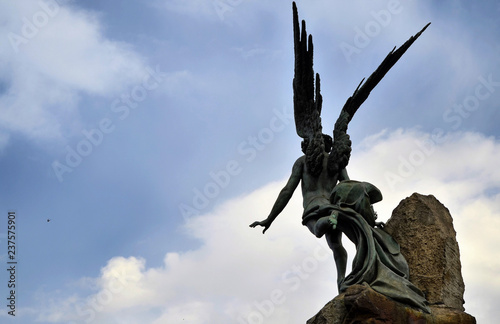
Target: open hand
x=265 y=223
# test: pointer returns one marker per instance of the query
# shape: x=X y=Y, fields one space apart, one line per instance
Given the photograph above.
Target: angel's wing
x=307 y=100
x=341 y=150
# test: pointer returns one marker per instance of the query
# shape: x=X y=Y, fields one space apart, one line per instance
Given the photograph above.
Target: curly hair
x=314 y=151
x=340 y=155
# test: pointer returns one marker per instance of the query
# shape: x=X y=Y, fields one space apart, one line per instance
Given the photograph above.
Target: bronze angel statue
x=334 y=204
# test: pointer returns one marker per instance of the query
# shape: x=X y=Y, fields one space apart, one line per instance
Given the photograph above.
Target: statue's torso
x=316 y=190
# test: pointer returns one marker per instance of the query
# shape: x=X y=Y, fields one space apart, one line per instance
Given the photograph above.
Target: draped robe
x=378 y=260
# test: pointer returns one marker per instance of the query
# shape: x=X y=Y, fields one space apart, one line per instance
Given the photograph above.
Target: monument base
x=361 y=304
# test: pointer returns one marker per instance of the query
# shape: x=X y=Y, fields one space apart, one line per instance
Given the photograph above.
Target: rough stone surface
x=424 y=229
x=361 y=304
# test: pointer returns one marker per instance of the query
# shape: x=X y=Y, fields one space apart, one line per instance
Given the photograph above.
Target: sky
x=152 y=133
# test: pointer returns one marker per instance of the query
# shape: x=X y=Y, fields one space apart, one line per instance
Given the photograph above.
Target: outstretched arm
x=284 y=195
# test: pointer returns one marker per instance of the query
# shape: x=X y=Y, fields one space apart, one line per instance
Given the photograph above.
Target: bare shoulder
x=299 y=164
x=300 y=161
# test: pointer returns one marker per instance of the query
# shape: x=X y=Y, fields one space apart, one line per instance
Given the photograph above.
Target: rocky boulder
x=423 y=227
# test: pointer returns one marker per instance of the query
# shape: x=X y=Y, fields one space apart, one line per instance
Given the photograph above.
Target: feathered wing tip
x=307 y=97
x=363 y=90
x=307 y=100
x=341 y=148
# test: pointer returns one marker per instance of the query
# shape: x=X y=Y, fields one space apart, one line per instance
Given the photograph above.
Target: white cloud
x=238 y=275
x=55 y=54
x=447 y=165
x=195 y=312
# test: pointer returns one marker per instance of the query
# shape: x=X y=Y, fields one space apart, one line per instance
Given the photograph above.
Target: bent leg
x=323 y=225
